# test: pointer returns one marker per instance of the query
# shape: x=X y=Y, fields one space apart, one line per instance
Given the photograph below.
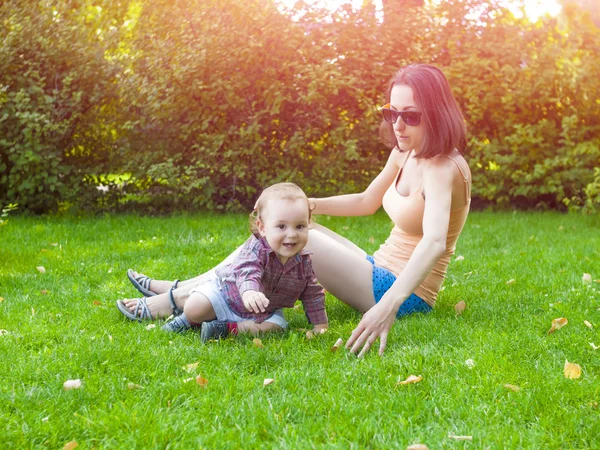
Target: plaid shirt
x=258 y=268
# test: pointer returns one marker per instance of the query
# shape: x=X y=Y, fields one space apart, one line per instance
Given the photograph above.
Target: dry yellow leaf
x=41 y=269
x=511 y=281
x=459 y=258
x=187 y=380
x=595 y=347
x=411 y=379
x=417 y=447
x=557 y=324
x=258 y=343
x=201 y=381
x=151 y=326
x=460 y=307
x=97 y=303
x=32 y=311
x=54 y=244
x=460 y=438
x=268 y=381
x=71 y=445
x=132 y=386
x=3 y=332
x=44 y=292
x=572 y=370
x=588 y=324
x=309 y=335
x=587 y=278
x=372 y=240
x=1 y=299
x=71 y=384
x=337 y=345
x=512 y=387
x=190 y=367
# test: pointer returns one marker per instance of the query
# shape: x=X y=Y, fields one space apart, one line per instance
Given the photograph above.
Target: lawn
x=520 y=271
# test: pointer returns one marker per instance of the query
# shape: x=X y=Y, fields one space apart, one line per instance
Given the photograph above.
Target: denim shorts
x=210 y=289
x=383 y=280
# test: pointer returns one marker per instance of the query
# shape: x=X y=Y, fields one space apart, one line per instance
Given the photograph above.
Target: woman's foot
x=159 y=305
x=154 y=286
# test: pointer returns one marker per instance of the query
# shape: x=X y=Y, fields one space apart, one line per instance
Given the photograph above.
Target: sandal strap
x=144 y=281
x=175 y=283
x=176 y=310
x=141 y=311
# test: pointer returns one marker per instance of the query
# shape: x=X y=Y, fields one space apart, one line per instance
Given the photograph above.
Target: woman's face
x=408 y=137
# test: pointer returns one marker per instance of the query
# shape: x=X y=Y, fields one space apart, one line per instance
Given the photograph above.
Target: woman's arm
x=377 y=322
x=366 y=202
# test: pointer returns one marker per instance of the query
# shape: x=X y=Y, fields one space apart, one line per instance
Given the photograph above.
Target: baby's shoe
x=179 y=324
x=215 y=329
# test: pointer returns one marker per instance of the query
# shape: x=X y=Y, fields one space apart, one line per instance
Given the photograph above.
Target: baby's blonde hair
x=280 y=191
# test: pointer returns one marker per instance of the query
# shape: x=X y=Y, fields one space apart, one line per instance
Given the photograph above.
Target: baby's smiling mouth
x=288 y=245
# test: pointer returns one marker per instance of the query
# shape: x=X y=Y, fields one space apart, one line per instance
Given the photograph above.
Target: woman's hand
x=376 y=323
x=255 y=301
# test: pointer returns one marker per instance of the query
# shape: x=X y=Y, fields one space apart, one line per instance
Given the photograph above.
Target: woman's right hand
x=255 y=301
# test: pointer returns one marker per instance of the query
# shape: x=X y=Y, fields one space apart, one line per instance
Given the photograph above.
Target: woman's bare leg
x=162 y=286
x=342 y=268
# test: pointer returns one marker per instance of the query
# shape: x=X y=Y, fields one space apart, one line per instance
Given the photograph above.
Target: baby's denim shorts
x=383 y=280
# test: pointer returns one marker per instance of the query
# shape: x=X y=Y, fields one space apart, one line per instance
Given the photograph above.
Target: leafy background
x=197 y=104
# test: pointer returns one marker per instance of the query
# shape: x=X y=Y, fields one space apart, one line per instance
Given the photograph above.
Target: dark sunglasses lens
x=411 y=118
x=389 y=116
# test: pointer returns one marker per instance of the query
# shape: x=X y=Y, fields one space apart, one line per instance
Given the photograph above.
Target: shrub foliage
x=197 y=104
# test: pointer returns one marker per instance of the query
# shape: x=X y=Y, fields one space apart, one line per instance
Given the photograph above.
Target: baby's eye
x=281 y=227
x=300 y=227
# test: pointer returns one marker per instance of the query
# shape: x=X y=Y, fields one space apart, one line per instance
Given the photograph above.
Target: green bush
x=198 y=104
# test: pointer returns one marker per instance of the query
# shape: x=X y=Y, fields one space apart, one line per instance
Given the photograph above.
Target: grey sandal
x=142 y=283
x=176 y=310
x=140 y=313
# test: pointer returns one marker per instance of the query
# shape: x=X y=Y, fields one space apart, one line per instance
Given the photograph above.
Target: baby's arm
x=313 y=299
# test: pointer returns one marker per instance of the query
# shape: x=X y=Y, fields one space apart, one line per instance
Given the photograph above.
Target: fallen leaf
x=310 y=335
x=110 y=338
x=512 y=387
x=298 y=307
x=71 y=445
x=470 y=363
x=460 y=307
x=417 y=447
x=45 y=419
x=201 y=381
x=345 y=227
x=572 y=370
x=411 y=379
x=337 y=345
x=587 y=278
x=3 y=332
x=459 y=258
x=187 y=380
x=190 y=367
x=97 y=303
x=72 y=384
x=1 y=299
x=268 y=381
x=595 y=347
x=132 y=386
x=588 y=324
x=110 y=270
x=258 y=343
x=460 y=438
x=54 y=244
x=32 y=311
x=557 y=324
x=44 y=292
x=511 y=281
x=41 y=269
x=151 y=326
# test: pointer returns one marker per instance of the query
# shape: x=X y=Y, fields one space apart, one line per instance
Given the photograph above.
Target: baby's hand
x=255 y=301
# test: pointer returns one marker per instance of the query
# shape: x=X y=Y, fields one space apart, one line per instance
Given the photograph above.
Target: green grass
x=319 y=399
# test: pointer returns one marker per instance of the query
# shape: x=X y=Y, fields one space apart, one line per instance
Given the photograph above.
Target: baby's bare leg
x=251 y=327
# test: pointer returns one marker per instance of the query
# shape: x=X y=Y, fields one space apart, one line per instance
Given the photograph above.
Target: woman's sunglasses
x=411 y=118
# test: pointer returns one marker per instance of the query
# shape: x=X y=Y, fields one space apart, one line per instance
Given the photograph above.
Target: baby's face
x=284 y=225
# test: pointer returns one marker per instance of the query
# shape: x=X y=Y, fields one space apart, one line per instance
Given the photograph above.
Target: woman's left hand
x=376 y=323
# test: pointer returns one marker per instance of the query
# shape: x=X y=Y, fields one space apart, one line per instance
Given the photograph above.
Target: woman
x=424 y=187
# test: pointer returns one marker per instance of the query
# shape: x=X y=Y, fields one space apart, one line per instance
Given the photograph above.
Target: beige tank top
x=407 y=215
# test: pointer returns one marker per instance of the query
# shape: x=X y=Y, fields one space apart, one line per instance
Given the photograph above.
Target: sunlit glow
x=532 y=9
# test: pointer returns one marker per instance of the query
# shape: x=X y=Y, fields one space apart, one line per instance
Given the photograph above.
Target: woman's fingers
x=382 y=343
x=370 y=341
